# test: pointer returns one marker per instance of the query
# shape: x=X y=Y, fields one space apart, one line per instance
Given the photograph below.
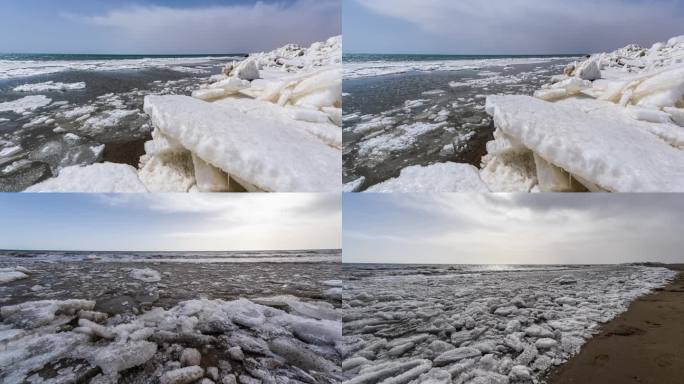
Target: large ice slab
x=602 y=150
x=262 y=151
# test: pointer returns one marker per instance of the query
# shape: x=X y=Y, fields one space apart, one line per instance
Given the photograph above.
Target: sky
x=170 y=222
x=164 y=26
x=513 y=228
x=507 y=26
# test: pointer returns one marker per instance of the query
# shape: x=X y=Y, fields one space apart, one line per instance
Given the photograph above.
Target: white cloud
x=219 y=29
x=521 y=26
x=243 y=221
x=515 y=229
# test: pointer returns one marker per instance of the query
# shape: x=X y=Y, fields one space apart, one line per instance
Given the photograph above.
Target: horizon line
x=467 y=54
x=182 y=250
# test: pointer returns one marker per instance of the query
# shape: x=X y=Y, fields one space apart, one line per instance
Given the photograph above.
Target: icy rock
x=229 y=379
x=97 y=329
x=456 y=355
x=435 y=376
x=97 y=178
x=441 y=177
x=246 y=70
x=520 y=373
x=97 y=317
x=588 y=70
x=147 y=275
x=527 y=356
x=213 y=373
x=545 y=343
x=182 y=375
x=190 y=356
x=115 y=358
x=236 y=353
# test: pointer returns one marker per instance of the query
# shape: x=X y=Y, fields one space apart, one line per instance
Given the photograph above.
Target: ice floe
x=49 y=86
x=25 y=104
x=427 y=324
x=354 y=69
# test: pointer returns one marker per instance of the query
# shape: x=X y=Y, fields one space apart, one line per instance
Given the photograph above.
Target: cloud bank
x=217 y=29
x=533 y=26
x=513 y=229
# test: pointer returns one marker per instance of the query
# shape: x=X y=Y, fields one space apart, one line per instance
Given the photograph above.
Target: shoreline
x=645 y=344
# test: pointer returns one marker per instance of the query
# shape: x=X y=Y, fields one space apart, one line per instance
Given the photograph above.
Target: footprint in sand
x=601 y=360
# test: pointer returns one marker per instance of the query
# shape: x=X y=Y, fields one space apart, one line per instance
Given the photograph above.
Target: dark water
x=314 y=255
x=113 y=96
x=72 y=57
x=458 y=127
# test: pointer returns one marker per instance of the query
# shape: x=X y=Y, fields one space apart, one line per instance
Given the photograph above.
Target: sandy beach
x=643 y=345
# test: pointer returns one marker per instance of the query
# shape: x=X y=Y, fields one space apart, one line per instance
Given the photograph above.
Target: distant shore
x=643 y=345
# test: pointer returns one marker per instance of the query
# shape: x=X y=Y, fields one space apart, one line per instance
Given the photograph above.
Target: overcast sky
x=513 y=229
x=507 y=26
x=164 y=26
x=174 y=222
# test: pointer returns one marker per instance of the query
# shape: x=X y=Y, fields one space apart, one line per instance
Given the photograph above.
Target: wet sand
x=644 y=345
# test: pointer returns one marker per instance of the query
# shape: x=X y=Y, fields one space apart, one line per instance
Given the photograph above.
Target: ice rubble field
x=354 y=70
x=137 y=325
x=22 y=68
x=53 y=136
x=269 y=123
x=614 y=122
x=440 y=325
x=443 y=124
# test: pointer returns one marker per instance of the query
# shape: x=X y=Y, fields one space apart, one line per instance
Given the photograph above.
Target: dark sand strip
x=643 y=345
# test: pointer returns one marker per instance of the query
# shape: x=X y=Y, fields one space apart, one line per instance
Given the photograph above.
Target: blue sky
x=164 y=26
x=169 y=221
x=507 y=26
x=512 y=229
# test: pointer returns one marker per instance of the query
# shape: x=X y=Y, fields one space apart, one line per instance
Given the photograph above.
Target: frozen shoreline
x=438 y=324
x=269 y=123
x=614 y=122
x=100 y=322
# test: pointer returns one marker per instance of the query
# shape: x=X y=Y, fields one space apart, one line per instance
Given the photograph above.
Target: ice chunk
x=455 y=355
x=49 y=86
x=259 y=151
x=588 y=70
x=190 y=356
x=147 y=275
x=100 y=177
x=32 y=314
x=25 y=104
x=10 y=274
x=597 y=149
x=441 y=177
x=209 y=178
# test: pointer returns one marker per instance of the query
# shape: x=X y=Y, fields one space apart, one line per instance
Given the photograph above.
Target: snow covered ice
x=126 y=318
x=474 y=324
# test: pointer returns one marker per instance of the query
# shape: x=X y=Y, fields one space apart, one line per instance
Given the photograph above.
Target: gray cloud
x=536 y=26
x=218 y=29
x=516 y=228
